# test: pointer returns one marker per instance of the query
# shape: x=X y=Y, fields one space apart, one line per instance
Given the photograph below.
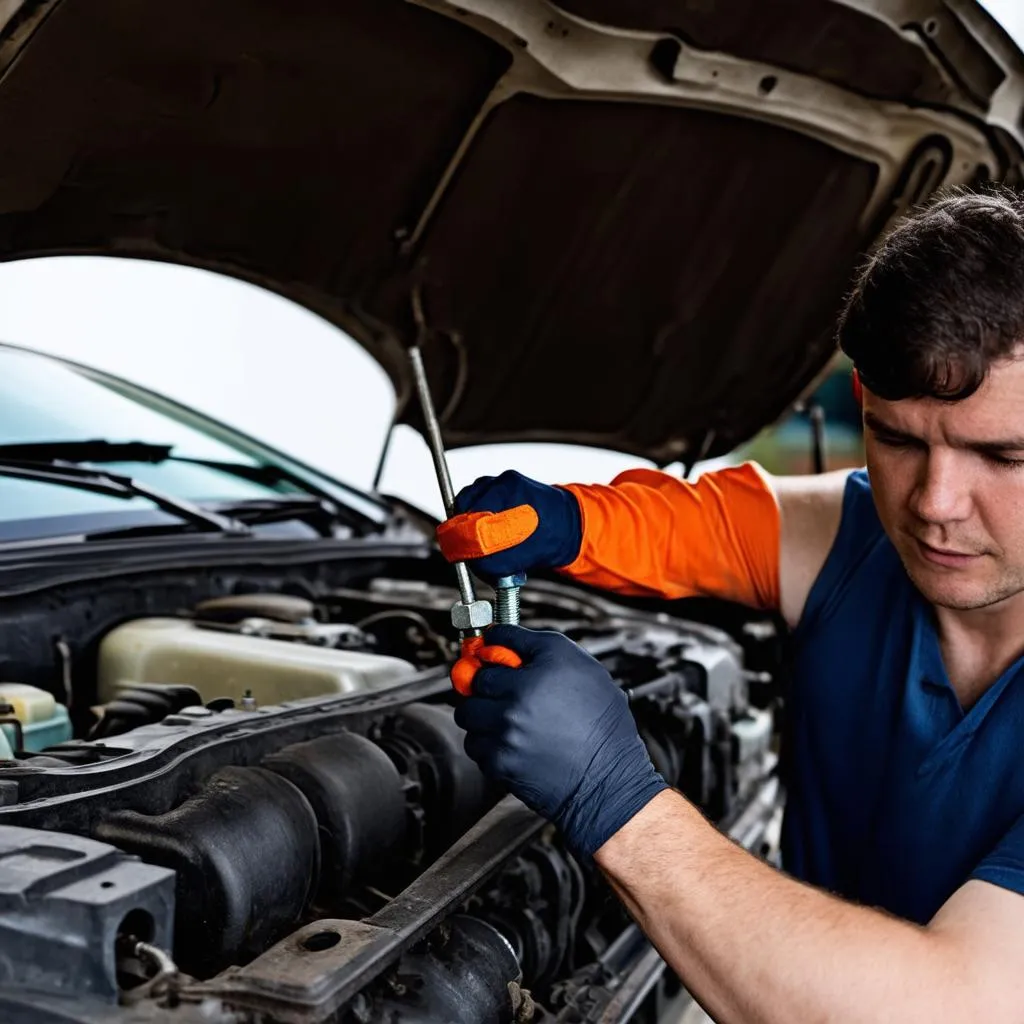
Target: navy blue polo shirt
x=897 y=796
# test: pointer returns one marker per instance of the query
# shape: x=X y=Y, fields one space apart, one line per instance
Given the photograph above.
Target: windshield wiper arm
x=96 y=450
x=263 y=511
x=99 y=450
x=118 y=486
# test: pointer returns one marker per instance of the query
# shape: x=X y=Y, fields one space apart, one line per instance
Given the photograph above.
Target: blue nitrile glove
x=558 y=733
x=532 y=526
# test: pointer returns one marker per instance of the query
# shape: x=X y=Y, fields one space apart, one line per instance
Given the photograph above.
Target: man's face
x=948 y=482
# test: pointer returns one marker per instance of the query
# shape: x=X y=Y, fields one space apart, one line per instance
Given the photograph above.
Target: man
x=904 y=585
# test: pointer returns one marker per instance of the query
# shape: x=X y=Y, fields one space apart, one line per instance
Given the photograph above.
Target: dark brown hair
x=941 y=299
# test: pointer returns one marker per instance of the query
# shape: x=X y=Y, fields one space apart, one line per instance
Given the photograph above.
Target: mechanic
x=903 y=840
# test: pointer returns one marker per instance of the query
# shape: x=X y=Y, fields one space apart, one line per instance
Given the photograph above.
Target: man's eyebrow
x=1008 y=444
x=881 y=427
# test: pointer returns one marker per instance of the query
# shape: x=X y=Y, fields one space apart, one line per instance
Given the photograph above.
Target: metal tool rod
x=466 y=589
x=433 y=432
x=436 y=445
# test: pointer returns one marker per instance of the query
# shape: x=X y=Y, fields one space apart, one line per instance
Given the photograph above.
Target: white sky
x=259 y=362
x=1010 y=13
x=250 y=359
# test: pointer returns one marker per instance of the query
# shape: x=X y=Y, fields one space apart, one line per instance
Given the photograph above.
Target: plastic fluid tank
x=224 y=664
x=44 y=722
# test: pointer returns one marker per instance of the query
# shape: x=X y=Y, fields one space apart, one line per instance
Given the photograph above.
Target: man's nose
x=942 y=492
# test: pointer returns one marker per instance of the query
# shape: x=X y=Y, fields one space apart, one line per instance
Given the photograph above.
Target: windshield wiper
x=267 y=474
x=86 y=451
x=264 y=511
x=119 y=486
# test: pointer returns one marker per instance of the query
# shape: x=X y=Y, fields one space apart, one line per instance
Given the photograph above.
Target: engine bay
x=262 y=810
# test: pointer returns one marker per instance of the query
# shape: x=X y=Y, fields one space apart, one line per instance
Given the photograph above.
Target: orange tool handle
x=478 y=534
x=475 y=654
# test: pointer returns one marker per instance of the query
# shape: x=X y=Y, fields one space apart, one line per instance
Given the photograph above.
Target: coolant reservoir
x=43 y=721
x=226 y=664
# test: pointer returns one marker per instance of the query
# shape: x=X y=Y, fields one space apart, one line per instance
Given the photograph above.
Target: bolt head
x=472 y=616
x=515 y=580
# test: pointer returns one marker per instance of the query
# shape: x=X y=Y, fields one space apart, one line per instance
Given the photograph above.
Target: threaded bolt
x=506 y=599
x=506 y=605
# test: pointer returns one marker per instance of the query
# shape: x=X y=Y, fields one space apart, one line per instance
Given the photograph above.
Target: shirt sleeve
x=1004 y=865
x=859 y=531
x=651 y=534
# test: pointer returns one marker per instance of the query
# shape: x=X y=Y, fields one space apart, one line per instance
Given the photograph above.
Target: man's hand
x=511 y=524
x=559 y=734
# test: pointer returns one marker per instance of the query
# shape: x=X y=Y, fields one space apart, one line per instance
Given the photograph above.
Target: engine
x=264 y=813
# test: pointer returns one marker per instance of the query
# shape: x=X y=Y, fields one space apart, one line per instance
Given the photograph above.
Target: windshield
x=43 y=400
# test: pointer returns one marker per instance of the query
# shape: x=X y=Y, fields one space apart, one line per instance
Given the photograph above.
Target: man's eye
x=1004 y=461
x=894 y=442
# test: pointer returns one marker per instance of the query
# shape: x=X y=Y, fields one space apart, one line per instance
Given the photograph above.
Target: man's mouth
x=948 y=557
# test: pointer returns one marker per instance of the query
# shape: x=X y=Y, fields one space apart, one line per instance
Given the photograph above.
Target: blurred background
x=219 y=346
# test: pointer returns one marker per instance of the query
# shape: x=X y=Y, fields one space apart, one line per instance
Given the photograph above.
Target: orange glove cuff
x=650 y=534
x=478 y=534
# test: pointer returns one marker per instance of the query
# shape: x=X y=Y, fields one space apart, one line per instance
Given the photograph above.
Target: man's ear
x=858 y=390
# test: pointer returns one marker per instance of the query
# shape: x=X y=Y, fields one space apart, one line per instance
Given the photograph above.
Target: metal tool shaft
x=466 y=590
x=433 y=432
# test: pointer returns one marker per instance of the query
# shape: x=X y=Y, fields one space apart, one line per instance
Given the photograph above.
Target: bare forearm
x=756 y=946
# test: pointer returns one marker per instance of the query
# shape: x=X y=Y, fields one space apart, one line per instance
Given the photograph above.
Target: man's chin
x=958 y=594
x=958 y=602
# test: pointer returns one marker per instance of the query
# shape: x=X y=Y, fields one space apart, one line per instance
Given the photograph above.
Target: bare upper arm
x=982 y=925
x=810 y=508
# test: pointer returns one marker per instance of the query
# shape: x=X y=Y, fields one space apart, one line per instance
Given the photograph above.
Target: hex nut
x=472 y=616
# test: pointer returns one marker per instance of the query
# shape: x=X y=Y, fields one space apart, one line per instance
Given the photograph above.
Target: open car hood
x=626 y=224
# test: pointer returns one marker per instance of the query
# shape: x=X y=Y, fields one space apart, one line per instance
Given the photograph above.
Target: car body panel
x=627 y=226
